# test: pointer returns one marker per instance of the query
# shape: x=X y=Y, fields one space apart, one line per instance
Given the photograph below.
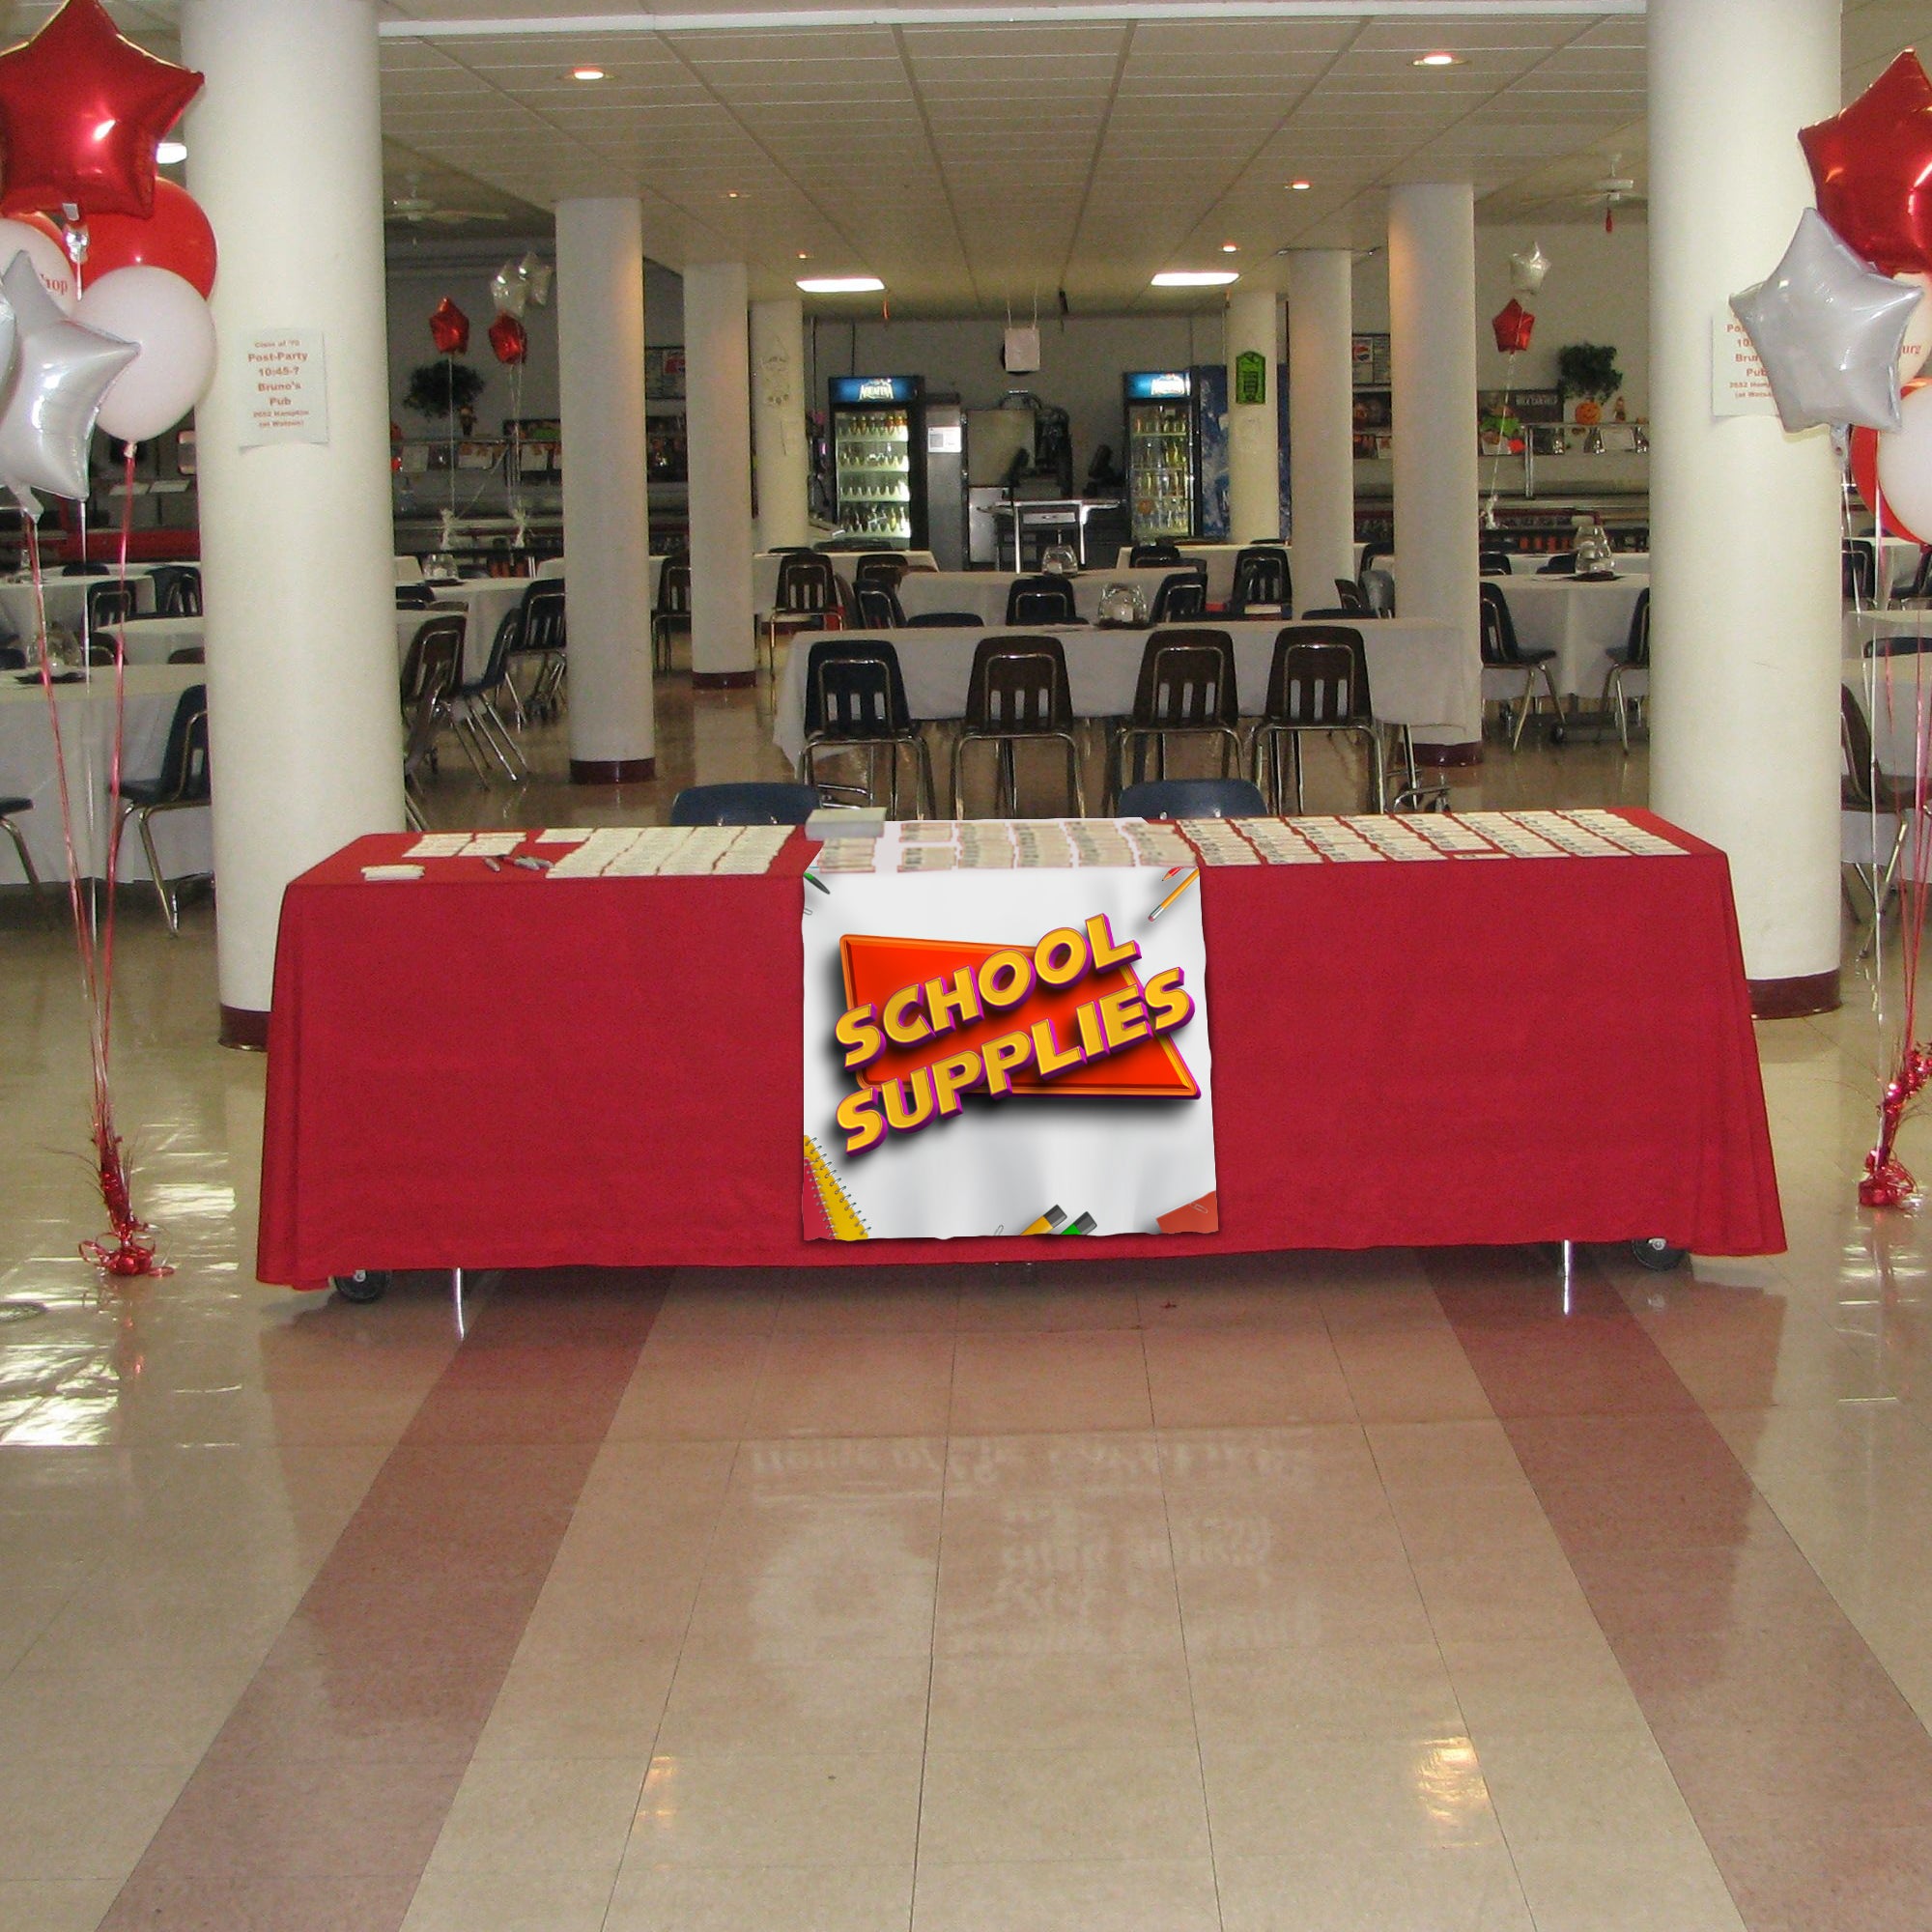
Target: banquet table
x=183 y=839
x=66 y=599
x=486 y=601
x=765 y=574
x=1419 y=673
x=1220 y=561
x=1580 y=620
x=983 y=594
x=646 y=1110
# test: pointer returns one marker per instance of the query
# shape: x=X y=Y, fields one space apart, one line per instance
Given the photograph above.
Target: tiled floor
x=1307 y=1593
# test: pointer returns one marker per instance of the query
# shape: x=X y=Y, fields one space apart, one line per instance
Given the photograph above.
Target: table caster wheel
x=365 y=1285
x=1656 y=1255
x=1558 y=734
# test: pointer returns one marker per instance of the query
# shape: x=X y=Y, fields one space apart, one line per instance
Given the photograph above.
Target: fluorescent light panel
x=1195 y=278
x=840 y=285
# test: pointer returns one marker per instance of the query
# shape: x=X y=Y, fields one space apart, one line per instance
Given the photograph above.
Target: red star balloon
x=81 y=110
x=1872 y=167
x=1512 y=326
x=509 y=339
x=449 y=328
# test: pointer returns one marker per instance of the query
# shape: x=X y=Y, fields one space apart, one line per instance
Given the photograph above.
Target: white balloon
x=165 y=317
x=1917 y=350
x=57 y=273
x=1905 y=462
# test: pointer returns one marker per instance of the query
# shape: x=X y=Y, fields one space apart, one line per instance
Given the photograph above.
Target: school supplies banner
x=1007 y=1052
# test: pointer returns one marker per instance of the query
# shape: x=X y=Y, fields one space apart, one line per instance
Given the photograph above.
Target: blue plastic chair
x=752 y=802
x=1192 y=798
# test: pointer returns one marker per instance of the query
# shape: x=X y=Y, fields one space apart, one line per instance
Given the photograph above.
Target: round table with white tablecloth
x=1580 y=620
x=486 y=601
x=183 y=839
x=1421 y=675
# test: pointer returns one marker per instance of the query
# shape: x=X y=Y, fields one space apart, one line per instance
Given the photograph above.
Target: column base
x=1792 y=998
x=612 y=771
x=723 y=680
x=245 y=1029
x=1469 y=753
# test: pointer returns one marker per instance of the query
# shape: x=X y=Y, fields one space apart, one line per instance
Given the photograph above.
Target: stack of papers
x=1218 y=842
x=1336 y=838
x=1520 y=840
x=1624 y=836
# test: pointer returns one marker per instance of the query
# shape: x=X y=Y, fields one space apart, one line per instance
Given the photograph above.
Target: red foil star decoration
x=449 y=328
x=81 y=111
x=1872 y=167
x=1514 y=326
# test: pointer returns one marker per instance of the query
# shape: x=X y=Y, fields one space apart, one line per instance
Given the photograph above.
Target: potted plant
x=445 y=389
x=1588 y=370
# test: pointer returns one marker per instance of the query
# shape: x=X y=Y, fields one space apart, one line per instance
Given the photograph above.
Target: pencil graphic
x=1193 y=874
x=1083 y=1225
x=1049 y=1223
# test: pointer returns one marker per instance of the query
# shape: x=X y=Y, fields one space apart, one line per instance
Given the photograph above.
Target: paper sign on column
x=1738 y=385
x=284 y=372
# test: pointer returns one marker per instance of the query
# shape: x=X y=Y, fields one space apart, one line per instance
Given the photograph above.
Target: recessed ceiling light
x=803 y=256
x=1195 y=278
x=1230 y=247
x=171 y=152
x=1438 y=59
x=586 y=74
x=1301 y=186
x=730 y=194
x=840 y=285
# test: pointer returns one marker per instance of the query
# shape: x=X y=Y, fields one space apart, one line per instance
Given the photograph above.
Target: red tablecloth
x=494 y=1070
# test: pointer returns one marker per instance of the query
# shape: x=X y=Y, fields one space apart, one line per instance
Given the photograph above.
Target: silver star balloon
x=64 y=370
x=1528 y=268
x=1829 y=329
x=510 y=289
x=536 y=274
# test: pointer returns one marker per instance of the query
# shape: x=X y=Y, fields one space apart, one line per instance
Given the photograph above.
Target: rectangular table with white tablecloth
x=183 y=839
x=1421 y=675
x=66 y=601
x=1220 y=561
x=983 y=594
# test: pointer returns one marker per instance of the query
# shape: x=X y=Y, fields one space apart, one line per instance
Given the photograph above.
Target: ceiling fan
x=1614 y=190
x=415 y=208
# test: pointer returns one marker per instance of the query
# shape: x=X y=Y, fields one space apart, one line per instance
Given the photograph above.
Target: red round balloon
x=1872 y=167
x=449 y=328
x=81 y=112
x=176 y=237
x=1514 y=326
x=509 y=338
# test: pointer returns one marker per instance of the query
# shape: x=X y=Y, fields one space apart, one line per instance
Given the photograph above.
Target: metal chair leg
x=1522 y=710
x=1294 y=764
x=13 y=831
x=144 y=818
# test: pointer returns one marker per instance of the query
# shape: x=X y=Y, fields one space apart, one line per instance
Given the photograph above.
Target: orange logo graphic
x=930 y=1020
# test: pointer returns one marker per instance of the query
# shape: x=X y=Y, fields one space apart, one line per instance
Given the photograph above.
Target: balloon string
x=120 y=741
x=1502 y=443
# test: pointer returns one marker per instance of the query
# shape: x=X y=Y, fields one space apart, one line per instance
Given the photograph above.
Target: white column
x=1320 y=421
x=600 y=319
x=1253 y=429
x=718 y=426
x=1744 y=607
x=1433 y=357
x=777 y=423
x=285 y=152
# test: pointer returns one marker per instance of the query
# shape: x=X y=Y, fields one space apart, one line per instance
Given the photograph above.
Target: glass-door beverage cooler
x=878 y=468
x=1163 y=457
